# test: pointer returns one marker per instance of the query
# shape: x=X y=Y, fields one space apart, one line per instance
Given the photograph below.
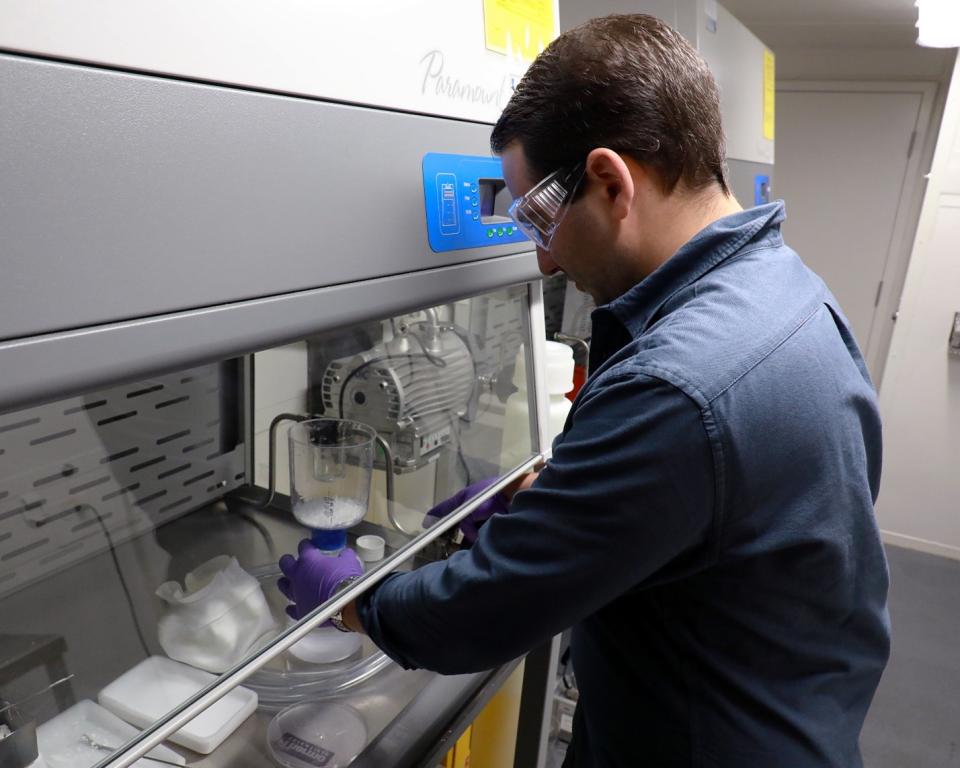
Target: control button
x=475 y=200
x=474 y=188
x=476 y=217
x=490 y=233
x=499 y=231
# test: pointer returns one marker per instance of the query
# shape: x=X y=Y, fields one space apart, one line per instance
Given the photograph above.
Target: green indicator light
x=509 y=230
x=499 y=231
x=489 y=233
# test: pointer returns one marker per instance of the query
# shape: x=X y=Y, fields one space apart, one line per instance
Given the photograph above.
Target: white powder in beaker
x=329 y=513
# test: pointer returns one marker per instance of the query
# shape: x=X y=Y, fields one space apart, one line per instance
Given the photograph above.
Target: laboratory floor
x=915 y=717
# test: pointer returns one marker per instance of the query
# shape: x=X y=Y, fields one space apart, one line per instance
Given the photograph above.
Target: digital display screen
x=494 y=201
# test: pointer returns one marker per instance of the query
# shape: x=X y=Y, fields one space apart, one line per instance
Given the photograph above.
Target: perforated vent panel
x=110 y=465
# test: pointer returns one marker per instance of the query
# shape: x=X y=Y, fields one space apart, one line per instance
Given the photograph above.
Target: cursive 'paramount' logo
x=436 y=81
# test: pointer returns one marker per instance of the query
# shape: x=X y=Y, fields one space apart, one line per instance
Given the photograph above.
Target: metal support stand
x=272 y=461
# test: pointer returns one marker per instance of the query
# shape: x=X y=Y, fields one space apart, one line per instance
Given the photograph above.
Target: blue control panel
x=466 y=202
x=761 y=189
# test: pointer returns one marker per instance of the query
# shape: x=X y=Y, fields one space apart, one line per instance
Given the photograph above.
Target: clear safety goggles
x=539 y=212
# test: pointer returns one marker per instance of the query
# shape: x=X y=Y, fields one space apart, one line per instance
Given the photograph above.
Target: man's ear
x=607 y=171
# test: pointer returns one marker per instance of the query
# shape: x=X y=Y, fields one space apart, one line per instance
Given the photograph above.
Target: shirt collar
x=712 y=245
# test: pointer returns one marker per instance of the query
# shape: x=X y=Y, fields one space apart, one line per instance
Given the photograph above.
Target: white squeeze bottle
x=559 y=381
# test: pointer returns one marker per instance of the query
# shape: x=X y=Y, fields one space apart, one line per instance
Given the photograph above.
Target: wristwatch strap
x=337 y=618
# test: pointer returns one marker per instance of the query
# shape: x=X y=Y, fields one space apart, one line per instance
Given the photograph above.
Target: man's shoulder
x=715 y=331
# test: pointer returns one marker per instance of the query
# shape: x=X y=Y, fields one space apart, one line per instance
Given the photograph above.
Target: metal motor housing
x=412 y=389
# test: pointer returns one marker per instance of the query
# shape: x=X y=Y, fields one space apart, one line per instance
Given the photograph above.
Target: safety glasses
x=539 y=212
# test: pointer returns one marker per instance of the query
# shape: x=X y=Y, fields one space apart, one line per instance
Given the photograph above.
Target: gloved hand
x=471 y=524
x=311 y=578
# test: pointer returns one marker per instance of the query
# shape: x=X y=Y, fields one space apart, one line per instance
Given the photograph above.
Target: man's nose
x=545 y=263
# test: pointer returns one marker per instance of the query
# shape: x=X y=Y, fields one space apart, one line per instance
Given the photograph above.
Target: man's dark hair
x=626 y=82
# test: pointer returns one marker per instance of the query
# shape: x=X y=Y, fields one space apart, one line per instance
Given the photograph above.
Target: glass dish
x=288 y=679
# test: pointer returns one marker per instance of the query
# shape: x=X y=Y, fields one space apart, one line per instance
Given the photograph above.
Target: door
x=847 y=169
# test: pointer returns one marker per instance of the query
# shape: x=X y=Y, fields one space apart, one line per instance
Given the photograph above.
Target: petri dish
x=316 y=733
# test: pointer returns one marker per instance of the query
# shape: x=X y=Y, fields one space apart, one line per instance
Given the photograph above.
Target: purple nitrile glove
x=311 y=578
x=471 y=524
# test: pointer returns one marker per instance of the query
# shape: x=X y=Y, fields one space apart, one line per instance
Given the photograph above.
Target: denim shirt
x=705 y=525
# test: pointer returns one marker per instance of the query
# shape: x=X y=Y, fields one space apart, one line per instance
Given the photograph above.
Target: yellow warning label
x=769 y=93
x=519 y=28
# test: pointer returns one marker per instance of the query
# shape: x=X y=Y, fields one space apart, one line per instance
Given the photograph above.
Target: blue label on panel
x=466 y=202
x=761 y=189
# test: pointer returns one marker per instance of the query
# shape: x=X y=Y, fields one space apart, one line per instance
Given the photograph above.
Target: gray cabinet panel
x=126 y=196
x=54 y=365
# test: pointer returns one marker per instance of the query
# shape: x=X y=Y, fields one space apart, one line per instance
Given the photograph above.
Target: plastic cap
x=370 y=548
x=329 y=541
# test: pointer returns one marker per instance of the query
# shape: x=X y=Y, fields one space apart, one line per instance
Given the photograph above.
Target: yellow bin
x=494 y=738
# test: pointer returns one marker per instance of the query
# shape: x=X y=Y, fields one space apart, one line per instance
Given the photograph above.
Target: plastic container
x=316 y=733
x=370 y=549
x=156 y=685
x=495 y=729
x=559 y=381
x=331 y=465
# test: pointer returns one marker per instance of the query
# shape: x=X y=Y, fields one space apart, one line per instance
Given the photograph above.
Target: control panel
x=466 y=202
x=761 y=189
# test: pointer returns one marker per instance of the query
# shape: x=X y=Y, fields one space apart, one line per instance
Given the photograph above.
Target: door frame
x=877 y=345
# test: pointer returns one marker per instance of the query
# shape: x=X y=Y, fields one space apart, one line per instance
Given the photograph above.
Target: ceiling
x=829 y=23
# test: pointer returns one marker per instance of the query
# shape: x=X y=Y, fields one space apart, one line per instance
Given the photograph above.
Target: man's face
x=574 y=239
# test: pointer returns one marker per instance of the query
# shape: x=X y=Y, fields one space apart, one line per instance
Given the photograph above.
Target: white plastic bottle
x=559 y=380
x=559 y=383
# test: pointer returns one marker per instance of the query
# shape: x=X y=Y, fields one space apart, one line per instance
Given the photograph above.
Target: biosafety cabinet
x=216 y=220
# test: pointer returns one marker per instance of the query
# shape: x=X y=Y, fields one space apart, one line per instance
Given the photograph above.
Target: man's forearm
x=351 y=616
x=522 y=484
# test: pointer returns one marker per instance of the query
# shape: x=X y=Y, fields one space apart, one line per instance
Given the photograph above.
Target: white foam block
x=156 y=685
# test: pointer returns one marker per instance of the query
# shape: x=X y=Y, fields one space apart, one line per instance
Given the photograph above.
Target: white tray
x=157 y=684
x=61 y=739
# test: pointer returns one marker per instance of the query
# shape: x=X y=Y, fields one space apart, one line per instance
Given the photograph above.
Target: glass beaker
x=331 y=465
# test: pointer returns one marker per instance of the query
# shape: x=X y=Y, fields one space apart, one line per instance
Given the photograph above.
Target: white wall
x=920 y=399
x=919 y=502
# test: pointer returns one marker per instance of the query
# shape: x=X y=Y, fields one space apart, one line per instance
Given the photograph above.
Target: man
x=706 y=522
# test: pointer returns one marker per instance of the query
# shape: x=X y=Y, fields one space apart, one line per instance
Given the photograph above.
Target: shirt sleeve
x=627 y=500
